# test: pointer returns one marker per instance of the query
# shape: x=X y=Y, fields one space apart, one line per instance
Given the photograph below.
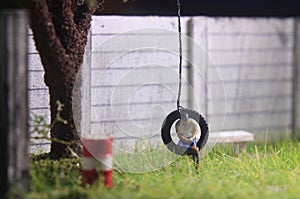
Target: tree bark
x=60 y=30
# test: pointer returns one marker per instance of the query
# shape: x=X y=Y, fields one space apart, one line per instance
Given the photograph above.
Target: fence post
x=13 y=100
x=86 y=88
x=198 y=64
x=296 y=86
x=82 y=92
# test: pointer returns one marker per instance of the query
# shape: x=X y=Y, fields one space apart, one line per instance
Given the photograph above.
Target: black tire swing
x=166 y=132
x=175 y=115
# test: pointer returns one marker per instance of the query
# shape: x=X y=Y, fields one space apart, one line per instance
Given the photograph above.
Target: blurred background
x=240 y=69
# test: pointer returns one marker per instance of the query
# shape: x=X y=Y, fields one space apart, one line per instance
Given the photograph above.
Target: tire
x=166 y=132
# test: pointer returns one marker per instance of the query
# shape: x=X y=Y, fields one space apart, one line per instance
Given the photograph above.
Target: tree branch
x=60 y=33
x=72 y=37
x=83 y=13
x=47 y=42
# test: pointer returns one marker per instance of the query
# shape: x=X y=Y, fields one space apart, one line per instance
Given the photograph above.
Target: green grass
x=262 y=171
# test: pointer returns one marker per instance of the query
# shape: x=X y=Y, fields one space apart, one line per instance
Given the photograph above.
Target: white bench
x=238 y=138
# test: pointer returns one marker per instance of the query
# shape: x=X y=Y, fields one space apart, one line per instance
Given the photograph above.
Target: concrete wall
x=255 y=60
x=237 y=72
x=38 y=95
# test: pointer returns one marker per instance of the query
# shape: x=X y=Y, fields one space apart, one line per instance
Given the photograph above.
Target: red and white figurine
x=97 y=159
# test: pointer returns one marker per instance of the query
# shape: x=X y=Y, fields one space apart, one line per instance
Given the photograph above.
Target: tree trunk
x=61 y=131
x=60 y=30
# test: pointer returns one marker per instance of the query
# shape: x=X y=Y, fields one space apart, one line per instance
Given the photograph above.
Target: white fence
x=248 y=75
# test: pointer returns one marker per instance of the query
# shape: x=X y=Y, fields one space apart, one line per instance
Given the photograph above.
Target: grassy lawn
x=262 y=171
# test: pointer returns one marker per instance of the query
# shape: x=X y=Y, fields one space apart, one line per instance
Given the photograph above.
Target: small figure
x=187 y=131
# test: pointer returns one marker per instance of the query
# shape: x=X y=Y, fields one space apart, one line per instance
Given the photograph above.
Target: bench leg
x=238 y=147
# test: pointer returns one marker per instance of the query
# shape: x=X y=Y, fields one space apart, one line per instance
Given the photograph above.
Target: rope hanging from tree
x=177 y=115
x=180 y=54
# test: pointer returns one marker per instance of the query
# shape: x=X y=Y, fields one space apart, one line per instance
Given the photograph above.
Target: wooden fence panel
x=296 y=81
x=14 y=135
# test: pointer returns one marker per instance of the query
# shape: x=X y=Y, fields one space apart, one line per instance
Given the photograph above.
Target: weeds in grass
x=41 y=128
x=261 y=171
